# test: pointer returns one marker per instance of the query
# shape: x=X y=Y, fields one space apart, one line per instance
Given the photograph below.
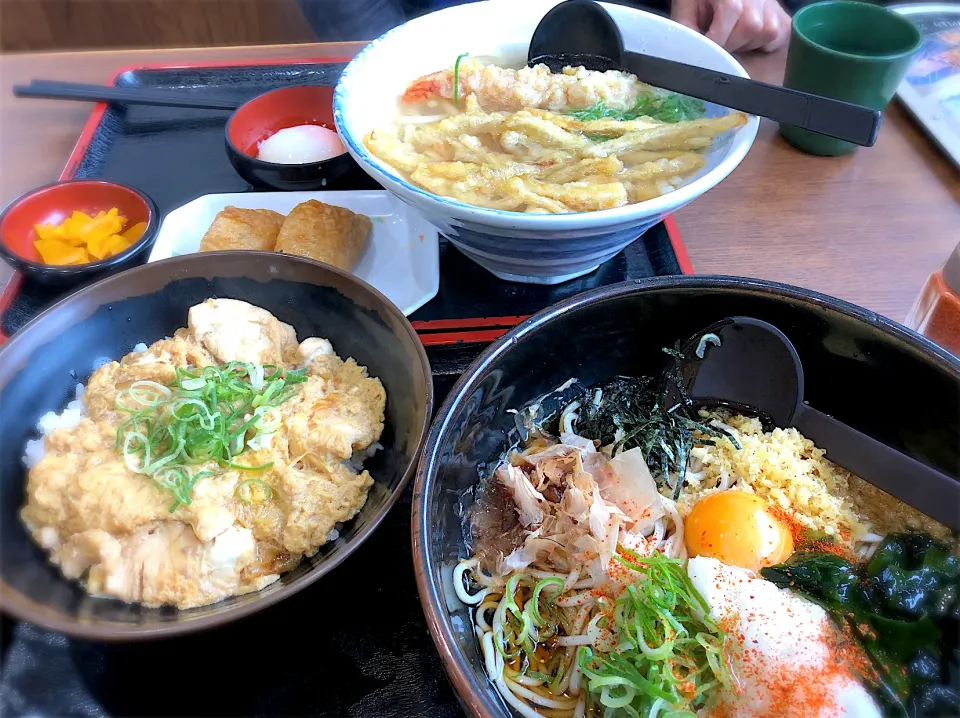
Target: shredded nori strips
x=642 y=412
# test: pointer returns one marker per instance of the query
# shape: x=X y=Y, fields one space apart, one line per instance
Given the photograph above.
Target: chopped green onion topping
x=208 y=414
x=670 y=653
x=254 y=491
x=532 y=607
x=456 y=80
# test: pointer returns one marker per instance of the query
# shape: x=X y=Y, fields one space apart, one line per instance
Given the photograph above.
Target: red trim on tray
x=6 y=297
x=471 y=323
x=483 y=336
x=679 y=248
x=73 y=162
x=83 y=142
x=432 y=334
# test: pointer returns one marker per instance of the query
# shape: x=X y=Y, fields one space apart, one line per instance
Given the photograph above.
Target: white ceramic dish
x=542 y=249
x=401 y=257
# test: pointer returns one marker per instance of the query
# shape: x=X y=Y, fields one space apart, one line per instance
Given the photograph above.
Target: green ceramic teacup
x=851 y=51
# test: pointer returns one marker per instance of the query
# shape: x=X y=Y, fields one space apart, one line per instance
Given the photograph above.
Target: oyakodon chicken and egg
x=113 y=528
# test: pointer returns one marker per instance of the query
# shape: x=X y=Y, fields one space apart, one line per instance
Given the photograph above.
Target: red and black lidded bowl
x=267 y=114
x=53 y=203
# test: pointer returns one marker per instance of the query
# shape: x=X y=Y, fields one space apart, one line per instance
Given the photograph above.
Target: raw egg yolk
x=737 y=529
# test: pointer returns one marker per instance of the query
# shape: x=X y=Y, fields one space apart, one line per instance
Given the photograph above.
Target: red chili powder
x=785 y=689
x=804 y=541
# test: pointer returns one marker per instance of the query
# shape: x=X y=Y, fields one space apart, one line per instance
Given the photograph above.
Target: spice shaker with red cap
x=936 y=312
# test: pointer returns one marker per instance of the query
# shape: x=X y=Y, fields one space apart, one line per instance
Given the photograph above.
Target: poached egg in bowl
x=784 y=654
x=300 y=145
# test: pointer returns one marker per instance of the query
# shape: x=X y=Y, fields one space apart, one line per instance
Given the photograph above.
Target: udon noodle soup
x=533 y=141
x=635 y=557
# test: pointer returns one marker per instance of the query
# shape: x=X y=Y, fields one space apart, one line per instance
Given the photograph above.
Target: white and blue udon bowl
x=537 y=249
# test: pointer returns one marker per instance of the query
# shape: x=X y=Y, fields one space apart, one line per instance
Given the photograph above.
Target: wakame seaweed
x=903 y=607
x=642 y=412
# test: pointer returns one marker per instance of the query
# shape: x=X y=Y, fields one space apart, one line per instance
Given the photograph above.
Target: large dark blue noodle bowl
x=862 y=368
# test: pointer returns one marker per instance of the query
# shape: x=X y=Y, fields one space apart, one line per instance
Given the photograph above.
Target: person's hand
x=736 y=24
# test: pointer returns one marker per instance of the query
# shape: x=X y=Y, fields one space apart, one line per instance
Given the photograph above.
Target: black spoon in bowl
x=580 y=32
x=751 y=363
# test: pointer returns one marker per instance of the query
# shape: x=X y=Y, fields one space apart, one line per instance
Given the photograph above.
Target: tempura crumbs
x=783 y=467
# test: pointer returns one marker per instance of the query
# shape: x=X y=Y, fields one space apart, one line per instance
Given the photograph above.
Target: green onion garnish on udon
x=456 y=79
x=204 y=415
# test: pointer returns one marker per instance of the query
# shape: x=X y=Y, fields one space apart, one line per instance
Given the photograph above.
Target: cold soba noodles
x=532 y=141
x=634 y=556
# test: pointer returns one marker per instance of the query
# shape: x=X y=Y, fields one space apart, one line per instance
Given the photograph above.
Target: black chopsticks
x=56 y=90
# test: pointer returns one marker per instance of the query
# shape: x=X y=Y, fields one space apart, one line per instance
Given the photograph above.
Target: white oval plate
x=401 y=258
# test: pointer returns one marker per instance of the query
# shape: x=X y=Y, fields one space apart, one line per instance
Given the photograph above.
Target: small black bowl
x=41 y=364
x=52 y=204
x=862 y=368
x=267 y=114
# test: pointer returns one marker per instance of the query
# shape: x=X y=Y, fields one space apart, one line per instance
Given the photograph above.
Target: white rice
x=334 y=532
x=355 y=462
x=35 y=449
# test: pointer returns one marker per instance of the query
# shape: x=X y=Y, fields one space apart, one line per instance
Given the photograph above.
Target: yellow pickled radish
x=50 y=231
x=117 y=243
x=72 y=225
x=135 y=232
x=80 y=238
x=99 y=246
x=100 y=228
x=54 y=251
x=84 y=257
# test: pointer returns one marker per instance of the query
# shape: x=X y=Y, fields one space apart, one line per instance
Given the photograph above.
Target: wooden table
x=868 y=228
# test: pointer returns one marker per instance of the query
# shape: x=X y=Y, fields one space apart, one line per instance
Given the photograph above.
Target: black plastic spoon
x=580 y=32
x=755 y=365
